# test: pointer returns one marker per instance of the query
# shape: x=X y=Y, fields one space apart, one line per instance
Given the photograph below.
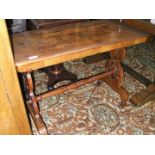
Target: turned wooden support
x=115 y=81
x=74 y=85
x=58 y=73
x=32 y=105
x=31 y=94
x=114 y=59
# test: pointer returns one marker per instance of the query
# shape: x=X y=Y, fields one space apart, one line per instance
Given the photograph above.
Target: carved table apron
x=49 y=47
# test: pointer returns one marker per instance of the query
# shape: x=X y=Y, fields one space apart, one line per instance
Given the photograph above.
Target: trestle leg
x=115 y=81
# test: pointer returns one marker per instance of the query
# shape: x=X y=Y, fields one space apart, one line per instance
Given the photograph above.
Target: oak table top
x=41 y=48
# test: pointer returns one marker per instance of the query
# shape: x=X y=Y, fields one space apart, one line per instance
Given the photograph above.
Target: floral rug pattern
x=95 y=108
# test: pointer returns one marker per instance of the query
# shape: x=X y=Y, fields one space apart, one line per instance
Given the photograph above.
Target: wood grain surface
x=41 y=48
x=13 y=117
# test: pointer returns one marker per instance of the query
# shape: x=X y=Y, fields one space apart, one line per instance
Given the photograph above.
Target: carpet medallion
x=105 y=115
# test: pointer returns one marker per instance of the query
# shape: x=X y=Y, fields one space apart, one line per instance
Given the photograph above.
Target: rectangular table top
x=41 y=48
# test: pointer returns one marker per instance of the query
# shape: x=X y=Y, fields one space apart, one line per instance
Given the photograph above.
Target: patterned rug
x=95 y=108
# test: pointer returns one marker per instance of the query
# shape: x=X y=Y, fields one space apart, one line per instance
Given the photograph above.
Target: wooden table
x=42 y=48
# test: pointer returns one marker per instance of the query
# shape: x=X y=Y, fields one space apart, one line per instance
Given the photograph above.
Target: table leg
x=58 y=73
x=33 y=106
x=115 y=81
